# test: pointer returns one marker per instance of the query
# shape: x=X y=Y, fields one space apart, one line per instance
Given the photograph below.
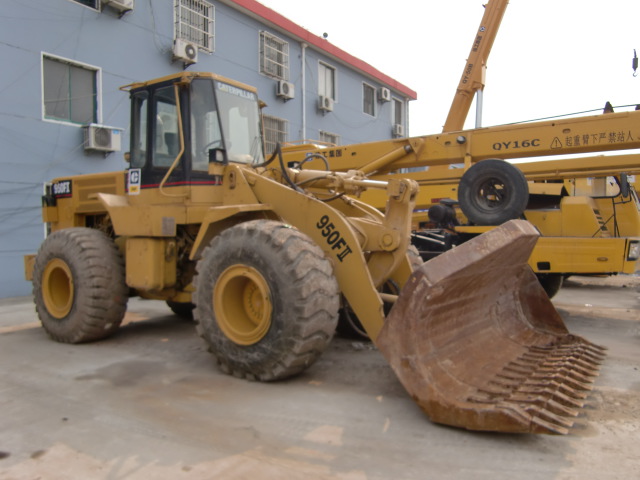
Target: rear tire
x=182 y=309
x=266 y=300
x=492 y=192
x=79 y=285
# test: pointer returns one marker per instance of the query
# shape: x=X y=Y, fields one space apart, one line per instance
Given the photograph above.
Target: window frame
x=265 y=61
x=210 y=33
x=97 y=8
x=324 y=65
x=333 y=136
x=98 y=89
x=394 y=102
x=266 y=130
x=372 y=89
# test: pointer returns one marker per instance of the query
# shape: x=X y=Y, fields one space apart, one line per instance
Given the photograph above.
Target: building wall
x=134 y=47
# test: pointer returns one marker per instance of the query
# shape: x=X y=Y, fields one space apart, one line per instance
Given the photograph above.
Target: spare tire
x=492 y=192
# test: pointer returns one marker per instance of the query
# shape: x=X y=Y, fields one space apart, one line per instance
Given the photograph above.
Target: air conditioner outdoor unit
x=121 y=5
x=325 y=103
x=384 y=95
x=185 y=51
x=101 y=138
x=285 y=90
x=398 y=130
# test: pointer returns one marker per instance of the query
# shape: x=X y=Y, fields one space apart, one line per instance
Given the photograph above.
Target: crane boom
x=473 y=75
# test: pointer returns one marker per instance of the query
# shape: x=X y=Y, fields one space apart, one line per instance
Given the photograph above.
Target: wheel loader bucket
x=477 y=343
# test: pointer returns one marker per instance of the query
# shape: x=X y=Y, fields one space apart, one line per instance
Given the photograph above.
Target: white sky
x=550 y=57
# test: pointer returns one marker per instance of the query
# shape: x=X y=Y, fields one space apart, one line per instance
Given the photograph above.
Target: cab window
x=205 y=127
x=166 y=141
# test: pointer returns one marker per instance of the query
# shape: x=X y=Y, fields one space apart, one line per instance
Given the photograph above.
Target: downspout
x=406 y=116
x=303 y=94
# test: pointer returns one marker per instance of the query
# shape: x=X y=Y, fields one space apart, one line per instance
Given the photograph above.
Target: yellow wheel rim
x=57 y=288
x=242 y=304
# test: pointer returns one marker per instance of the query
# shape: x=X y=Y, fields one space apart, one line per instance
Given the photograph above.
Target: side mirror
x=218 y=155
x=624 y=185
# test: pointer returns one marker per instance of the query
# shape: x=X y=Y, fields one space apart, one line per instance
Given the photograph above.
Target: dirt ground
x=149 y=403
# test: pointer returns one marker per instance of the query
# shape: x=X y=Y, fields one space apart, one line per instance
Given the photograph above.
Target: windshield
x=240 y=118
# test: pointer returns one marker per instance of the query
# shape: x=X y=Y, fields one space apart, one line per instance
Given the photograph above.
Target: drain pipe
x=303 y=132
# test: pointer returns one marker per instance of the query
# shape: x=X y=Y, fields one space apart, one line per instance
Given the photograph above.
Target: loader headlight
x=634 y=250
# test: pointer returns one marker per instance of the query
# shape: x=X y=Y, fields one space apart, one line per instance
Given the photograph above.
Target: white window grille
x=368 y=99
x=274 y=56
x=194 y=23
x=70 y=91
x=327 y=137
x=275 y=131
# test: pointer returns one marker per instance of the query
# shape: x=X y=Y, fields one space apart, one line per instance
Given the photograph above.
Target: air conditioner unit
x=185 y=51
x=398 y=130
x=101 y=138
x=120 y=5
x=384 y=95
x=285 y=90
x=325 y=103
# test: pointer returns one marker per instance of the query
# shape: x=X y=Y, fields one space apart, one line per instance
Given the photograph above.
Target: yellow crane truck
x=264 y=255
x=466 y=186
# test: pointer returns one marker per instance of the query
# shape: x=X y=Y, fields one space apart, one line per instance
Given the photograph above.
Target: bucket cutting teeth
x=478 y=344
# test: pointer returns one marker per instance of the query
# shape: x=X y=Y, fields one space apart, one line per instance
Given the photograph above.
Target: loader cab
x=180 y=123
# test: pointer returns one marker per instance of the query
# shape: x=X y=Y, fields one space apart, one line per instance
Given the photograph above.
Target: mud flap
x=477 y=343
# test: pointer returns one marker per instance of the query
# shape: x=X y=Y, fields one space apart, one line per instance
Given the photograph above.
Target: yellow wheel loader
x=264 y=255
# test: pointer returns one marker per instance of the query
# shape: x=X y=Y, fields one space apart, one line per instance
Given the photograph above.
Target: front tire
x=79 y=285
x=266 y=300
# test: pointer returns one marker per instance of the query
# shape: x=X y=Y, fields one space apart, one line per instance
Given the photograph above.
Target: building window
x=89 y=3
x=331 y=138
x=275 y=131
x=398 y=114
x=274 y=56
x=368 y=99
x=70 y=91
x=398 y=117
x=194 y=23
x=326 y=81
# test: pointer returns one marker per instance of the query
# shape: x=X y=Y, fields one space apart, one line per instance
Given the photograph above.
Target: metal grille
x=194 y=21
x=275 y=130
x=274 y=56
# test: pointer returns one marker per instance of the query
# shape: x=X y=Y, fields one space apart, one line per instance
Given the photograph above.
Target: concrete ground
x=148 y=403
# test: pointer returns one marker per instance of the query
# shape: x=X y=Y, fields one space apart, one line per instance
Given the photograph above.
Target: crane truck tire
x=551 y=282
x=492 y=192
x=79 y=285
x=266 y=300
